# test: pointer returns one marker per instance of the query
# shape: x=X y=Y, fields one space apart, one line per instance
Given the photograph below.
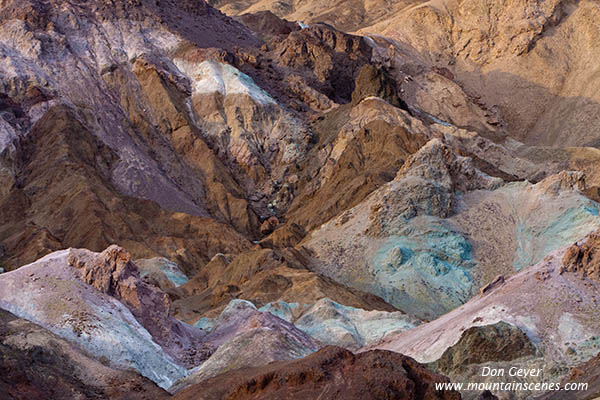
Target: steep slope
x=526 y=64
x=75 y=295
x=361 y=147
x=285 y=186
x=425 y=242
x=73 y=203
x=528 y=59
x=262 y=276
x=181 y=117
x=120 y=148
x=37 y=364
x=562 y=328
x=344 y=15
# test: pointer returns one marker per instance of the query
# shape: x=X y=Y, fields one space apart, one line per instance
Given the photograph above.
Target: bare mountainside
x=198 y=203
x=532 y=60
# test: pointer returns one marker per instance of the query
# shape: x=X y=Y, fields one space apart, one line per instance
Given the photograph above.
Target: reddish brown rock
x=80 y=207
x=269 y=225
x=362 y=148
x=287 y=235
x=263 y=276
x=584 y=258
x=332 y=373
x=373 y=81
x=497 y=282
x=333 y=58
x=268 y=24
x=480 y=344
x=113 y=273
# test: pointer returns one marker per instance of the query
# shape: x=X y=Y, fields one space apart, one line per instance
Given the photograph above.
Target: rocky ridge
x=528 y=302
x=583 y=258
x=98 y=302
x=329 y=373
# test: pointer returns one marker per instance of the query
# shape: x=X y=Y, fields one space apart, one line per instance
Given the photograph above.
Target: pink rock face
x=550 y=306
x=112 y=272
x=245 y=337
x=52 y=294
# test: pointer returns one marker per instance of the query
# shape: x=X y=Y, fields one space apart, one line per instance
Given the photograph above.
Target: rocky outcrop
x=269 y=225
x=332 y=373
x=37 y=364
x=263 y=276
x=423 y=226
x=334 y=324
x=583 y=258
x=361 y=148
x=244 y=338
x=563 y=181
x=397 y=234
x=481 y=344
x=112 y=272
x=333 y=58
x=501 y=58
x=125 y=147
x=288 y=235
x=98 y=302
x=243 y=123
x=499 y=52
x=557 y=325
x=374 y=82
x=140 y=335
x=428 y=180
x=326 y=321
x=494 y=284
x=268 y=24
